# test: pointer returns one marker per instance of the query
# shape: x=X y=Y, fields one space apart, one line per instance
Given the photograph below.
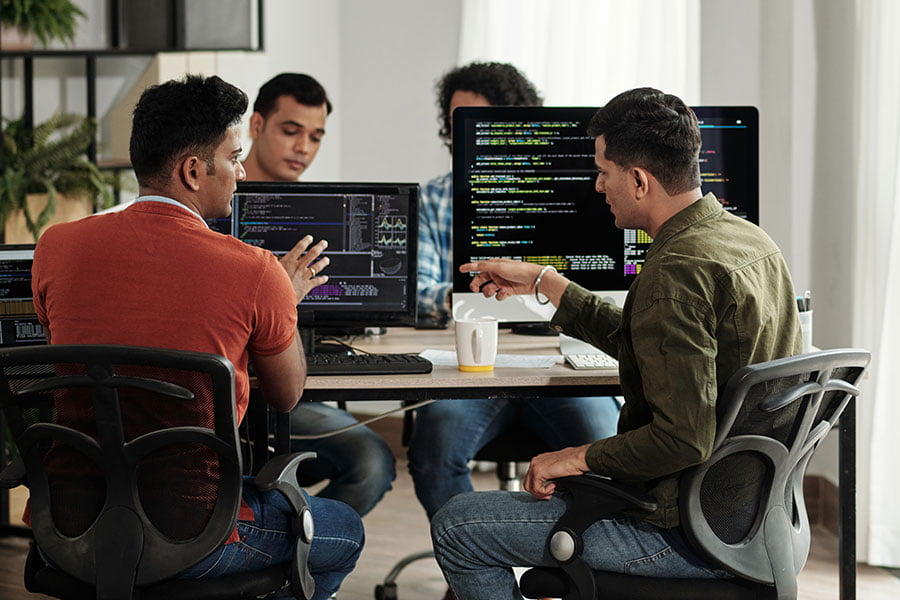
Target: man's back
x=154 y=275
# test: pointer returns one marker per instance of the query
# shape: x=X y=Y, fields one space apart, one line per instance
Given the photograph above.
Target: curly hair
x=645 y=127
x=501 y=83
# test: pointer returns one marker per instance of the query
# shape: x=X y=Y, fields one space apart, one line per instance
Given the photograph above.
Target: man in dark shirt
x=714 y=294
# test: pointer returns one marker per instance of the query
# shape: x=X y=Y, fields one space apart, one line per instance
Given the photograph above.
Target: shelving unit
x=90 y=56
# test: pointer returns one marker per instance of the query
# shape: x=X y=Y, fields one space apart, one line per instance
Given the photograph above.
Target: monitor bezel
x=327 y=317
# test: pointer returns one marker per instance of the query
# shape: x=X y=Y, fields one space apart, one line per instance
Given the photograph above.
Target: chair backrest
x=744 y=507
x=131 y=455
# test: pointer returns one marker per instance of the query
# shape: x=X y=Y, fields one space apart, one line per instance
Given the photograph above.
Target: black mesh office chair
x=515 y=445
x=742 y=509
x=115 y=446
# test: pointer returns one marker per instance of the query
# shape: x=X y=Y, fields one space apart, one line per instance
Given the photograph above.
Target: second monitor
x=371 y=233
x=523 y=188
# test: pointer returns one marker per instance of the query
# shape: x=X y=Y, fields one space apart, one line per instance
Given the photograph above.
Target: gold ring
x=313 y=271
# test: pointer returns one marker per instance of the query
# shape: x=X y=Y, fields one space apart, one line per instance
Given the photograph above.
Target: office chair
x=132 y=461
x=515 y=445
x=742 y=509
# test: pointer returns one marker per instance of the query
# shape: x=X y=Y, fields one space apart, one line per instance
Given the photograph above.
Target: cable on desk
x=328 y=434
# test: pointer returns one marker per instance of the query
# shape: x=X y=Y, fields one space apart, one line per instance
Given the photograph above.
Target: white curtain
x=877 y=289
x=584 y=52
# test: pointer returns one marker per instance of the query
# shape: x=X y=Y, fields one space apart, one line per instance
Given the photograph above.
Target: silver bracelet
x=537 y=284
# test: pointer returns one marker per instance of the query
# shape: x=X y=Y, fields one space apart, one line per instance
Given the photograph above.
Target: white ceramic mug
x=476 y=343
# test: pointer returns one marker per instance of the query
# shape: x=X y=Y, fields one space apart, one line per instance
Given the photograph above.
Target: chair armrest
x=280 y=473
x=588 y=498
x=603 y=489
x=13 y=475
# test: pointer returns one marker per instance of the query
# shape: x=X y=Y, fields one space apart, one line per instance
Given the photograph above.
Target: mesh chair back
x=131 y=455
x=744 y=507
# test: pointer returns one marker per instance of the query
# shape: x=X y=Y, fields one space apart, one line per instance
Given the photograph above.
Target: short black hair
x=178 y=118
x=303 y=88
x=646 y=128
x=501 y=83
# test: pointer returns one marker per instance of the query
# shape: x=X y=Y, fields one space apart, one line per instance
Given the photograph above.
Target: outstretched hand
x=550 y=465
x=304 y=265
x=502 y=277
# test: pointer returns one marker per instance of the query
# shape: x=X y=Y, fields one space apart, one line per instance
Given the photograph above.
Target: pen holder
x=806 y=329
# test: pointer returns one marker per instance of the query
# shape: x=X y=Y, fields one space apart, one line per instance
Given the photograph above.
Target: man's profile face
x=288 y=139
x=220 y=185
x=615 y=182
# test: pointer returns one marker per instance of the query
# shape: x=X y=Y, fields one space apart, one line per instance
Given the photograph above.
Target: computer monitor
x=19 y=325
x=523 y=188
x=371 y=231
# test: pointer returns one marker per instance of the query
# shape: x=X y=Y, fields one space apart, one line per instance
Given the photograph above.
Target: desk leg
x=283 y=433
x=847 y=502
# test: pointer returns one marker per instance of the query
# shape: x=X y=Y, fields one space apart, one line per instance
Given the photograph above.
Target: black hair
x=501 y=83
x=646 y=128
x=179 y=118
x=303 y=88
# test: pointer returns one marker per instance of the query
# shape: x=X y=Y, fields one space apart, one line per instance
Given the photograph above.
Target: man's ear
x=191 y=170
x=641 y=181
x=256 y=124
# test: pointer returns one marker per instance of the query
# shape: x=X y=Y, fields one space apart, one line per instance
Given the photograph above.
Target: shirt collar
x=165 y=200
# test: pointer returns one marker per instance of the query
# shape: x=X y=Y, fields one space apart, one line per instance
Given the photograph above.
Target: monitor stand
x=313 y=346
x=536 y=328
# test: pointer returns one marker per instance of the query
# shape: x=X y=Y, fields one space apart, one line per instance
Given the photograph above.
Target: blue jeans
x=478 y=538
x=265 y=541
x=448 y=433
x=358 y=463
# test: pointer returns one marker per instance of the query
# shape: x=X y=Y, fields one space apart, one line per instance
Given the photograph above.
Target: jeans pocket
x=652 y=565
x=237 y=557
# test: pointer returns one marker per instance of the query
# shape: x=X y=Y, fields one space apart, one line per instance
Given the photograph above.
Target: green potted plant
x=49 y=159
x=44 y=19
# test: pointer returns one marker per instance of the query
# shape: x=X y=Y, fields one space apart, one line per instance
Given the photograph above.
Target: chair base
x=542 y=582
x=42 y=579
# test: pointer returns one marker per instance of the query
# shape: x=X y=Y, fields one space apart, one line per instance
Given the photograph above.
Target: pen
x=807 y=300
x=800 y=303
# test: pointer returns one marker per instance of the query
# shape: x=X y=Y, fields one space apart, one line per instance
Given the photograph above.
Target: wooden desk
x=450 y=382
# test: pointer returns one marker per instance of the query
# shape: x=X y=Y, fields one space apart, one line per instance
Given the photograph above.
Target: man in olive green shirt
x=714 y=294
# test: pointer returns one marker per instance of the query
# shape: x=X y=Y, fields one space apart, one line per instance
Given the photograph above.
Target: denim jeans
x=337 y=542
x=448 y=433
x=478 y=537
x=358 y=464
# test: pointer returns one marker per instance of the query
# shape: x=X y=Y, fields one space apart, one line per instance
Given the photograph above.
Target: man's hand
x=550 y=465
x=303 y=265
x=502 y=277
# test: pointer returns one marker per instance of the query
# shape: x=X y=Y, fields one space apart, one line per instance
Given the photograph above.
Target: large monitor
x=371 y=232
x=523 y=188
x=19 y=325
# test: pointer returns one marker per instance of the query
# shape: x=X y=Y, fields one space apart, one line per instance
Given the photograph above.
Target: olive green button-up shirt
x=714 y=294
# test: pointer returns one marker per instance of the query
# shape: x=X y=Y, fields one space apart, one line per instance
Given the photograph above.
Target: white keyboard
x=592 y=361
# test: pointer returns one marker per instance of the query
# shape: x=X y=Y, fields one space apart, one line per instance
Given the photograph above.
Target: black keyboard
x=365 y=364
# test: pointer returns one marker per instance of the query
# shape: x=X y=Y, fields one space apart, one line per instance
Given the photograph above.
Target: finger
x=299 y=248
x=469 y=267
x=319 y=266
x=478 y=281
x=313 y=253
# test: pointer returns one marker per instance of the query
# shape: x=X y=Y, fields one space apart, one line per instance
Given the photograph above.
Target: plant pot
x=68 y=208
x=13 y=39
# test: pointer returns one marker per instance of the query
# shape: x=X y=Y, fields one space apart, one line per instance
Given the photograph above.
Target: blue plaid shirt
x=435 y=250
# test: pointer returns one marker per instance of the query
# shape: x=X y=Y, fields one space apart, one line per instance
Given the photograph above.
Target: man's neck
x=187 y=202
x=253 y=169
x=669 y=206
